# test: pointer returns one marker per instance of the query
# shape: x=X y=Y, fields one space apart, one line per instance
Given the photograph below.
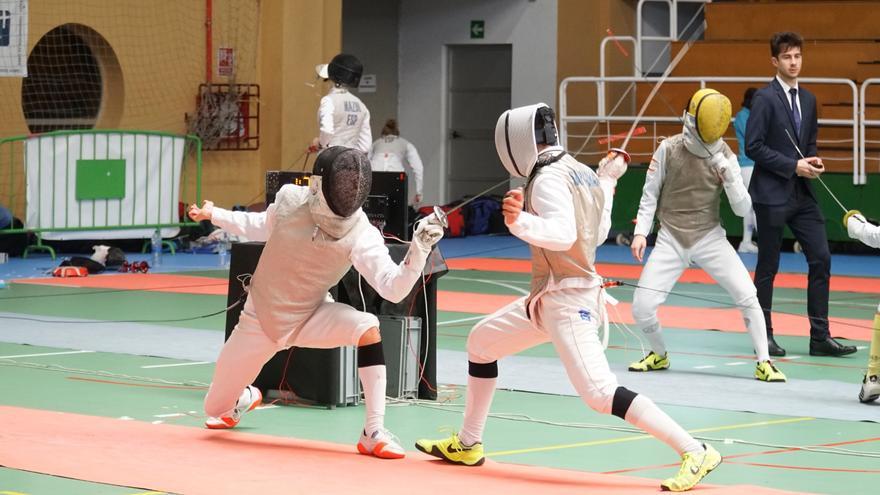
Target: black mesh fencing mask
x=346 y=178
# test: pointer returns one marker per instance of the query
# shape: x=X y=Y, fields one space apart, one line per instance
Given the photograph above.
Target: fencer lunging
x=858 y=228
x=563 y=213
x=313 y=236
x=683 y=188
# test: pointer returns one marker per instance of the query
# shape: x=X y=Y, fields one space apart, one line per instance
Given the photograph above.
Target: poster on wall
x=13 y=38
x=225 y=62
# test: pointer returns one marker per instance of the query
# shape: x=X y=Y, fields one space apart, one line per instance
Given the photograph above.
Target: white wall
x=427 y=26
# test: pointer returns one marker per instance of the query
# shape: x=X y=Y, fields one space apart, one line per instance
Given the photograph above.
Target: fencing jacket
x=567 y=214
x=344 y=121
x=685 y=193
x=300 y=263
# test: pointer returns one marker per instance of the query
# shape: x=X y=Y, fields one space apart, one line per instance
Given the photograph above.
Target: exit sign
x=478 y=29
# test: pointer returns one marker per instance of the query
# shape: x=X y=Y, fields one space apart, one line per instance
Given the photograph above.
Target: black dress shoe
x=773 y=348
x=829 y=347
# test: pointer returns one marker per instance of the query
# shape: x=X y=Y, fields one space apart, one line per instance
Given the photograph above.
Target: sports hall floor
x=102 y=380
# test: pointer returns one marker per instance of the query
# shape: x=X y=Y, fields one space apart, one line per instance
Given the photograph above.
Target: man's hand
x=314 y=146
x=612 y=166
x=638 y=245
x=810 y=167
x=512 y=206
x=206 y=212
x=429 y=231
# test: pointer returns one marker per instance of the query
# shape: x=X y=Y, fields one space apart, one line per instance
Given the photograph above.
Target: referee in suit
x=781 y=190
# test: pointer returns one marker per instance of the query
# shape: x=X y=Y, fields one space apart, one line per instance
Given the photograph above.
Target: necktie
x=794 y=110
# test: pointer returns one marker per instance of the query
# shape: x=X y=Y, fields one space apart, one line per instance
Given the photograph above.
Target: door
x=478 y=88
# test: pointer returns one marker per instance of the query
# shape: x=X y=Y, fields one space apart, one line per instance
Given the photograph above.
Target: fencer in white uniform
x=858 y=228
x=343 y=118
x=563 y=213
x=314 y=235
x=392 y=153
x=683 y=188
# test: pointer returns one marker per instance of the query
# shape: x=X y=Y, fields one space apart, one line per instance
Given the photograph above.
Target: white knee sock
x=479 y=399
x=647 y=416
x=748 y=227
x=373 y=382
x=654 y=334
x=754 y=319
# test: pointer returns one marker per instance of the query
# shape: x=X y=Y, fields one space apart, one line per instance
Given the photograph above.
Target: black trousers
x=802 y=215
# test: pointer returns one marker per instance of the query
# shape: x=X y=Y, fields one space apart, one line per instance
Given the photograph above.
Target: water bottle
x=223 y=250
x=156 y=247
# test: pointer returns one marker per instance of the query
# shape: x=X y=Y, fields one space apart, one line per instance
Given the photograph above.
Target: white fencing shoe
x=870 y=389
x=382 y=443
x=247 y=401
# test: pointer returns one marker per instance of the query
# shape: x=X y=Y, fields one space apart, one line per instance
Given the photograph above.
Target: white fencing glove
x=725 y=168
x=612 y=166
x=429 y=231
x=855 y=224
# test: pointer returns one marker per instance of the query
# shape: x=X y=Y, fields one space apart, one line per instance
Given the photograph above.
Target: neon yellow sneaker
x=451 y=450
x=767 y=372
x=651 y=362
x=694 y=467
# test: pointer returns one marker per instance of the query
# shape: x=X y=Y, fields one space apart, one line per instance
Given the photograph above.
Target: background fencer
x=391 y=153
x=858 y=228
x=313 y=236
x=563 y=213
x=683 y=188
x=343 y=119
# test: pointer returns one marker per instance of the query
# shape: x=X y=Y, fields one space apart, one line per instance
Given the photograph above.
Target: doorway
x=478 y=92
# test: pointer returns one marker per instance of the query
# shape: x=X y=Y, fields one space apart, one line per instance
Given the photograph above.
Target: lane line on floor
x=645 y=437
x=193 y=363
x=45 y=354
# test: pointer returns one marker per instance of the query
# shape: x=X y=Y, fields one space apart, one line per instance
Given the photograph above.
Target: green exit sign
x=478 y=29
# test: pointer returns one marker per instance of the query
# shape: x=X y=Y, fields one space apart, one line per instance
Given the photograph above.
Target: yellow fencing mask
x=711 y=112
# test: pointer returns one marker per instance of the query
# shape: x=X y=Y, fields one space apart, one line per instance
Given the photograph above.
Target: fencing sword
x=441 y=215
x=793 y=143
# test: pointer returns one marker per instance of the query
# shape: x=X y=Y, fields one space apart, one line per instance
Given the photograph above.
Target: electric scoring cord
x=99 y=373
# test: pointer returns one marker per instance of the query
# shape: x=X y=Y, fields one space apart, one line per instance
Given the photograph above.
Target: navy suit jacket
x=774 y=178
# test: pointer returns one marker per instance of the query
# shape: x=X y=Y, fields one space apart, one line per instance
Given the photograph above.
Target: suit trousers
x=802 y=215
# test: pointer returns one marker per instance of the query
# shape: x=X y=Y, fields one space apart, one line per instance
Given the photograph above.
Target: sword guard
x=440 y=215
x=622 y=153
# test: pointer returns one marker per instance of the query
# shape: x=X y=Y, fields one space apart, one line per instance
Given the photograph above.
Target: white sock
x=373 y=382
x=654 y=334
x=647 y=416
x=754 y=319
x=479 y=399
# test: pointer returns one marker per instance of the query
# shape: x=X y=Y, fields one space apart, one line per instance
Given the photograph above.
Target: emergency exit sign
x=478 y=29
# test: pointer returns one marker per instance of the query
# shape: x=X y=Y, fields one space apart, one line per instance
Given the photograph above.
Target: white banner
x=13 y=38
x=153 y=166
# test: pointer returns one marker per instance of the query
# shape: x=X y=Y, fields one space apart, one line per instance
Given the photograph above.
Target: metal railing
x=864 y=123
x=673 y=33
x=98 y=184
x=602 y=114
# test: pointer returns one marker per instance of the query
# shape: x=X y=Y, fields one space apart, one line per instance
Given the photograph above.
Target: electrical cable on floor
x=99 y=373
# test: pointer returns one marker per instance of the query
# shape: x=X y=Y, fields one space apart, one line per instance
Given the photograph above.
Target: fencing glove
x=612 y=166
x=725 y=168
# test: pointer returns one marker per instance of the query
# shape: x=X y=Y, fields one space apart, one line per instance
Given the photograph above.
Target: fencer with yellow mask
x=683 y=187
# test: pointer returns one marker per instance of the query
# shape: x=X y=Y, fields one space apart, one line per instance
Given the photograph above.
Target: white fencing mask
x=518 y=133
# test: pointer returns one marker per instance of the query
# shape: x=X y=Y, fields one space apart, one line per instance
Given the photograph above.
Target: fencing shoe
x=381 y=443
x=748 y=247
x=651 y=362
x=870 y=389
x=247 y=401
x=452 y=450
x=694 y=467
x=767 y=372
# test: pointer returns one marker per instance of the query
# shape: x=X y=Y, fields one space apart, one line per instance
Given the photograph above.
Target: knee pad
x=483 y=370
x=623 y=398
x=370 y=355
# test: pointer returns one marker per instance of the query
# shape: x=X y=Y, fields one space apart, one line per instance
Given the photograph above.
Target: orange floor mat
x=159 y=282
x=726 y=320
x=194 y=461
x=691 y=275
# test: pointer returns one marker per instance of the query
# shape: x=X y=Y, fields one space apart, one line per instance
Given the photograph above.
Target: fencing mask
x=343 y=69
x=709 y=114
x=518 y=133
x=340 y=184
